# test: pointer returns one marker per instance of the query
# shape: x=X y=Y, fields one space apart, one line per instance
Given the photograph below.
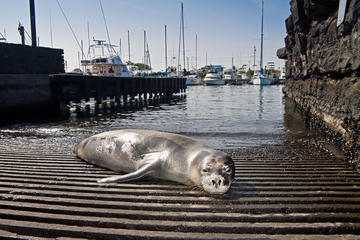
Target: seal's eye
x=228 y=170
x=204 y=170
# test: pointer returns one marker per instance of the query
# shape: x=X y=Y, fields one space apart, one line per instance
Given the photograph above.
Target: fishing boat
x=261 y=78
x=105 y=64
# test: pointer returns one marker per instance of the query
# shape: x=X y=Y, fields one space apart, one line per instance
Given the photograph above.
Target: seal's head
x=217 y=173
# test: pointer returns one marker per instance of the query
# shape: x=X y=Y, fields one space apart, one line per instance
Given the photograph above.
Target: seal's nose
x=217 y=181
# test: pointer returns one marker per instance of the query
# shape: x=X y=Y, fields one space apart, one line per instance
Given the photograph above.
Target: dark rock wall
x=323 y=66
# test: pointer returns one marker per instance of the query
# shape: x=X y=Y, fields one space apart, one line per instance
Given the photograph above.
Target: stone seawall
x=323 y=66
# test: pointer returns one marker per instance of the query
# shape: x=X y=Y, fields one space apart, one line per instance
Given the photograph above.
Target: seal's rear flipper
x=143 y=171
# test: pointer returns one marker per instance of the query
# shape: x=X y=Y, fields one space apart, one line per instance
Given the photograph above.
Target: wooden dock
x=68 y=87
x=36 y=94
x=281 y=192
x=119 y=92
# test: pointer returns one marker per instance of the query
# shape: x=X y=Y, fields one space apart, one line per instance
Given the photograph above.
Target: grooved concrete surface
x=281 y=192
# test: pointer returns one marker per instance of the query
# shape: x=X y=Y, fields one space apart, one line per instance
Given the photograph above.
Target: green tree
x=142 y=66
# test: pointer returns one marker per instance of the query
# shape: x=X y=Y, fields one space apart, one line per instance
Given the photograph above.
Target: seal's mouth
x=216 y=184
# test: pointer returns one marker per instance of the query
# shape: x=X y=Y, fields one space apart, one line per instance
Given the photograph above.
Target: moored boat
x=193 y=80
x=261 y=79
x=213 y=78
x=105 y=65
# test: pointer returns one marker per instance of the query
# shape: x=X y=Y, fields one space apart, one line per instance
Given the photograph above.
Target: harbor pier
x=32 y=81
x=120 y=92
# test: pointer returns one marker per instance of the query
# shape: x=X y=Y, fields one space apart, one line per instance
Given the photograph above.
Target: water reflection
x=221 y=117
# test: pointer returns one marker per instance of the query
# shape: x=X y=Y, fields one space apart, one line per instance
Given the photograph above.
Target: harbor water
x=222 y=117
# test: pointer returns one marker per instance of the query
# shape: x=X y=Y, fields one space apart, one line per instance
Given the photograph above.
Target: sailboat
x=260 y=78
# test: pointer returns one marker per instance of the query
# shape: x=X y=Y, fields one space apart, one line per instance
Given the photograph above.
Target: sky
x=227 y=30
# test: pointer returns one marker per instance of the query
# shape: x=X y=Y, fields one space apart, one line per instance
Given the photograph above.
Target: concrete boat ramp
x=288 y=191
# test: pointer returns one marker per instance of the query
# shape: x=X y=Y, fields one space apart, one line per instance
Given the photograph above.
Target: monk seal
x=160 y=155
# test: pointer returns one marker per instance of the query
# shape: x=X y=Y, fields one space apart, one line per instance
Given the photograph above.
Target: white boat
x=228 y=76
x=105 y=65
x=214 y=79
x=261 y=79
x=193 y=80
x=282 y=77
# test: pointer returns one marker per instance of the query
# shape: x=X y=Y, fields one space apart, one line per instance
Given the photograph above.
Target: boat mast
x=196 y=52
x=254 y=58
x=144 y=49
x=178 y=68
x=129 y=44
x=262 y=36
x=148 y=60
x=88 y=28
x=33 y=25
x=51 y=35
x=232 y=63
x=120 y=53
x=165 y=50
x=183 y=37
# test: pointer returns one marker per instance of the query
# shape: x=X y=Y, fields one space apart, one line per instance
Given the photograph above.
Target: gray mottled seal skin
x=161 y=155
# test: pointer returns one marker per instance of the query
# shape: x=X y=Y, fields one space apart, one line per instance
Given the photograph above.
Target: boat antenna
x=107 y=30
x=262 y=36
x=72 y=31
x=51 y=36
x=88 y=27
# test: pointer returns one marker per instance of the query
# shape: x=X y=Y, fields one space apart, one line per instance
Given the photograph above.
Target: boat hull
x=261 y=81
x=193 y=81
x=214 y=82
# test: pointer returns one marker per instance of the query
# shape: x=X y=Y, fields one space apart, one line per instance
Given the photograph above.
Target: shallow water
x=222 y=117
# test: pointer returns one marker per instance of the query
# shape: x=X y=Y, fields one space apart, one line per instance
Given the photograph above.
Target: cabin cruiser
x=105 y=65
x=213 y=78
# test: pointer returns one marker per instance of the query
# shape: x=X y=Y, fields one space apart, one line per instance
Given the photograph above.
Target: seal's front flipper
x=147 y=163
x=143 y=171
